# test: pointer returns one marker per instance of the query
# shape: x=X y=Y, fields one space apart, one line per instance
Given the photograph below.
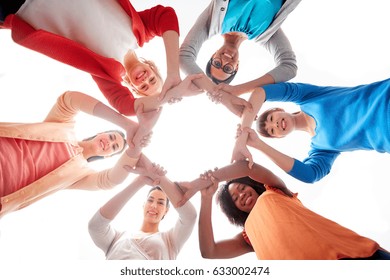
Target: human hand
x=210 y=190
x=241 y=152
x=253 y=138
x=234 y=90
x=170 y=82
x=235 y=104
x=146 y=168
x=148 y=181
x=184 y=89
x=147 y=120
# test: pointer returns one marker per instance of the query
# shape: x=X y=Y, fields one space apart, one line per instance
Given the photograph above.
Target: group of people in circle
x=101 y=38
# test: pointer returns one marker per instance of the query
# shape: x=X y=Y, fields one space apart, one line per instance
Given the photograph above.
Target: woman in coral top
x=99 y=37
x=38 y=159
x=276 y=225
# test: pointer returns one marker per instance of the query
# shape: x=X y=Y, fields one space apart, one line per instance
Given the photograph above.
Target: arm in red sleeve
x=158 y=20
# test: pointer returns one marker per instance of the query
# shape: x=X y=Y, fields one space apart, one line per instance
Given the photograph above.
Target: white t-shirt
x=143 y=246
x=101 y=26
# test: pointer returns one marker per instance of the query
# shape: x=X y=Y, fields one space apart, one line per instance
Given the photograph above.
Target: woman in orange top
x=276 y=224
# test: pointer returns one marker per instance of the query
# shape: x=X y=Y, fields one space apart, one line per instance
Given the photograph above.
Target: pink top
x=38 y=158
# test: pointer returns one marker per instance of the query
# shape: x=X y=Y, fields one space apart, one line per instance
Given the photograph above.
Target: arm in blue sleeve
x=314 y=167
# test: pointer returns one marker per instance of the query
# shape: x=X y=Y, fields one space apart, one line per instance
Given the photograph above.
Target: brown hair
x=260 y=122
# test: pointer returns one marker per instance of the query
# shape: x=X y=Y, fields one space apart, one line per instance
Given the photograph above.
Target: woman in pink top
x=37 y=159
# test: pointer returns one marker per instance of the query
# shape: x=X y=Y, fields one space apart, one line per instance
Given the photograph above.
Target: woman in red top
x=100 y=38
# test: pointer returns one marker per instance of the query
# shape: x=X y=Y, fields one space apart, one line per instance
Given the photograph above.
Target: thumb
x=163 y=93
x=250 y=163
x=247 y=105
x=196 y=76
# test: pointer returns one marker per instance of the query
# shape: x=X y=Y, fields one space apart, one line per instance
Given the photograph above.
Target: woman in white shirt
x=148 y=243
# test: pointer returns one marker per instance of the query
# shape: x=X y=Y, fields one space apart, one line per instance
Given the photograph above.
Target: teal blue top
x=251 y=17
x=347 y=119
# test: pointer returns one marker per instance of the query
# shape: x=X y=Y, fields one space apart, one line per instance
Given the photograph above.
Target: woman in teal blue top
x=236 y=21
x=339 y=119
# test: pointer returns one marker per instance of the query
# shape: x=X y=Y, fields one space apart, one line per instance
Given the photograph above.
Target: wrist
x=132 y=157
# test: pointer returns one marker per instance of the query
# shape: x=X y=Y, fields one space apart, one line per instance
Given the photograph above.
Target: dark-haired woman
x=148 y=243
x=38 y=159
x=276 y=225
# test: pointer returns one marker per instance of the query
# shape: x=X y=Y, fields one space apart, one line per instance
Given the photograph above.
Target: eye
x=152 y=81
x=217 y=63
x=115 y=147
x=272 y=131
x=228 y=68
x=144 y=87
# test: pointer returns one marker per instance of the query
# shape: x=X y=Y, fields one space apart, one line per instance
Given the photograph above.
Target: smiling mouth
x=248 y=201
x=102 y=145
x=283 y=124
x=152 y=213
x=140 y=75
x=228 y=55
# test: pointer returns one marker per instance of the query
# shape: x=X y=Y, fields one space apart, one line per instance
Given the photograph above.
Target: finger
x=247 y=105
x=250 y=158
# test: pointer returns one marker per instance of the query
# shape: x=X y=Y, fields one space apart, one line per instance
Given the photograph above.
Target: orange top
x=281 y=228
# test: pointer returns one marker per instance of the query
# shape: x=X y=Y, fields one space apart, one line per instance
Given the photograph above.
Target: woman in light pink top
x=38 y=159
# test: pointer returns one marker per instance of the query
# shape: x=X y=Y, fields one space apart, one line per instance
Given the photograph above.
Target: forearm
x=174 y=194
x=111 y=209
x=171 y=43
x=104 y=112
x=150 y=103
x=205 y=229
x=284 y=161
x=129 y=159
x=205 y=84
x=252 y=85
x=257 y=99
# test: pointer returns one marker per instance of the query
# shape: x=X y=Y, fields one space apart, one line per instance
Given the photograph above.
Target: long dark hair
x=225 y=201
x=93 y=158
x=215 y=80
x=159 y=188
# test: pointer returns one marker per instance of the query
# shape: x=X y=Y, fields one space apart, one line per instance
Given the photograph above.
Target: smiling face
x=224 y=62
x=107 y=143
x=143 y=78
x=243 y=196
x=278 y=123
x=155 y=206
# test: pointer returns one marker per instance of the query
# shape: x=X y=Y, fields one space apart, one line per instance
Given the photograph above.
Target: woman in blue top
x=339 y=119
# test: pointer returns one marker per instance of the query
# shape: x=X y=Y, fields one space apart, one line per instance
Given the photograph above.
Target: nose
x=242 y=196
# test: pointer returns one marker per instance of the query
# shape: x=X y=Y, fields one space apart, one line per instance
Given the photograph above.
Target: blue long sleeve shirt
x=347 y=119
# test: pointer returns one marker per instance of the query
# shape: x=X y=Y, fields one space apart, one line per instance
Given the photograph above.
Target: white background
x=336 y=43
